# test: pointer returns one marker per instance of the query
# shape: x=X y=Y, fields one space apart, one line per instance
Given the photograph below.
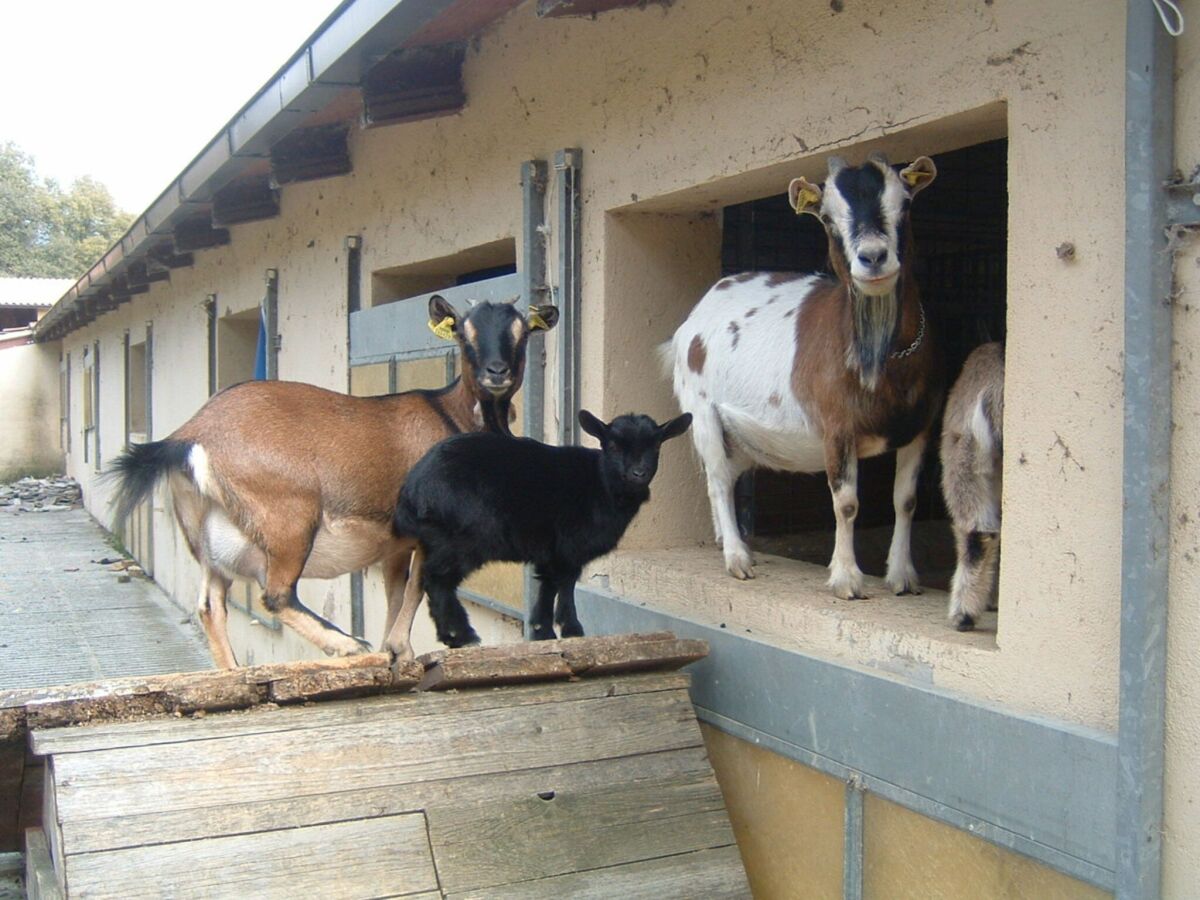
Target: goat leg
x=564 y=613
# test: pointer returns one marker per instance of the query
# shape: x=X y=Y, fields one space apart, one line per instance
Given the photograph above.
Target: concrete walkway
x=65 y=618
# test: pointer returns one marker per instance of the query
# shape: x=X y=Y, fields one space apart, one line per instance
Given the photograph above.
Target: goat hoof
x=401 y=654
x=572 y=630
x=963 y=622
x=542 y=633
x=740 y=566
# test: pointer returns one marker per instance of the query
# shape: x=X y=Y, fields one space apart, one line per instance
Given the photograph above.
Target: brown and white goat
x=972 y=480
x=276 y=480
x=805 y=373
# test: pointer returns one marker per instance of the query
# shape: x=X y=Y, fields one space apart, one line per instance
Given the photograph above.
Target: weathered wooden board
x=511 y=839
x=539 y=648
x=189 y=692
x=546 y=788
x=90 y=835
x=261 y=767
x=474 y=673
x=40 y=881
x=545 y=660
x=715 y=874
x=377 y=709
x=362 y=858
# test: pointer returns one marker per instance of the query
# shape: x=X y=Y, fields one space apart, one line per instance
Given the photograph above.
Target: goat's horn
x=836 y=164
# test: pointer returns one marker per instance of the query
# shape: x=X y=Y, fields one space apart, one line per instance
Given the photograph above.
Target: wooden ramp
x=567 y=768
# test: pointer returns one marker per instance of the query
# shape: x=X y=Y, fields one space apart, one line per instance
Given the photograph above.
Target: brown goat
x=805 y=373
x=280 y=480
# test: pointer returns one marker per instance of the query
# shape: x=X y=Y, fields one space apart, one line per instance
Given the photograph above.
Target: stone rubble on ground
x=51 y=494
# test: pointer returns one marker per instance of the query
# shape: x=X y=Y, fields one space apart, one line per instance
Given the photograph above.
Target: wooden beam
x=144 y=272
x=250 y=200
x=310 y=153
x=416 y=83
x=199 y=234
x=167 y=256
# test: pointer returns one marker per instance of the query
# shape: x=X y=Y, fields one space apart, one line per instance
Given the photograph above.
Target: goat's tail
x=140 y=467
x=666 y=357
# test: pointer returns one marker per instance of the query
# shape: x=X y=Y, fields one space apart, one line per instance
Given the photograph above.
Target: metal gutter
x=1149 y=160
x=330 y=62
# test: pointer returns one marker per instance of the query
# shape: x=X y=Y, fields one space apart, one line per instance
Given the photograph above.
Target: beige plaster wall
x=29 y=411
x=683 y=109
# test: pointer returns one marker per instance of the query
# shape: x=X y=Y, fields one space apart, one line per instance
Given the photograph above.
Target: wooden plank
x=399 y=750
x=40 y=881
x=715 y=874
x=537 y=648
x=585 y=656
x=153 y=827
x=187 y=692
x=341 y=860
x=514 y=840
x=50 y=823
x=474 y=673
x=618 y=658
x=264 y=720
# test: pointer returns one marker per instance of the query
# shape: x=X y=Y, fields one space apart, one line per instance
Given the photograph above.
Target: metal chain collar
x=900 y=354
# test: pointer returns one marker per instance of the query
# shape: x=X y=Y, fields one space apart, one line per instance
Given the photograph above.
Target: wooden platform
x=565 y=768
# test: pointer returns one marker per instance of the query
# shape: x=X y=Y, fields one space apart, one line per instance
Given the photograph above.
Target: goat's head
x=629 y=445
x=865 y=211
x=491 y=338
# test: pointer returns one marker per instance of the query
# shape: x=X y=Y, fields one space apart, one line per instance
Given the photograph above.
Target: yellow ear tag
x=536 y=322
x=915 y=177
x=805 y=198
x=443 y=329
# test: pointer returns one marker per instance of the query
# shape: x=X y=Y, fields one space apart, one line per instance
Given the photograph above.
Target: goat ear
x=443 y=319
x=674 y=428
x=919 y=174
x=592 y=425
x=804 y=196
x=542 y=318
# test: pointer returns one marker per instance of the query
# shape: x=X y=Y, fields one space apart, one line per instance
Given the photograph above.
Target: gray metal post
x=210 y=310
x=1149 y=131
x=533 y=293
x=569 y=227
x=852 y=850
x=271 y=323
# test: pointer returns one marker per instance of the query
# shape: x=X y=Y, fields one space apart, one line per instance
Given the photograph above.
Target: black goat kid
x=482 y=497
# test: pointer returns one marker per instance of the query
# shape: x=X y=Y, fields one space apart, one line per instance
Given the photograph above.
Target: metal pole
x=534 y=292
x=1149 y=131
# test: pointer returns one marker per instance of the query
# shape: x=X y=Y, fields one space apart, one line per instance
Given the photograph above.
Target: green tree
x=46 y=232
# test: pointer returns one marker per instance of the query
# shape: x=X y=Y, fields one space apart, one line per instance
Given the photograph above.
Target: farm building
x=616 y=158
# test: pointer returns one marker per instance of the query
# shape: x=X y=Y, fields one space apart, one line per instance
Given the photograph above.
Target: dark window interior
x=485 y=274
x=959 y=228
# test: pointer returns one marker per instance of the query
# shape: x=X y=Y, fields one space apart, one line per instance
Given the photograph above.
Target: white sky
x=129 y=91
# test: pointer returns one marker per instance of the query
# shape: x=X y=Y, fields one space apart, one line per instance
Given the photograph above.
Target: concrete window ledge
x=788 y=605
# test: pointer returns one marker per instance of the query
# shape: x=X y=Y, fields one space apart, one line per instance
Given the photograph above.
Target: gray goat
x=972 y=463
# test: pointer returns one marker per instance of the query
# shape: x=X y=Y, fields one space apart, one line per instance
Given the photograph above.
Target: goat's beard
x=874 y=319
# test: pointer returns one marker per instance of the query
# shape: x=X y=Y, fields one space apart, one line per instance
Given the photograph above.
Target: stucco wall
x=29 y=411
x=684 y=109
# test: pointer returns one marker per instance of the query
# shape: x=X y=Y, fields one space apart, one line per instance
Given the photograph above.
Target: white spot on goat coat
x=201 y=472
